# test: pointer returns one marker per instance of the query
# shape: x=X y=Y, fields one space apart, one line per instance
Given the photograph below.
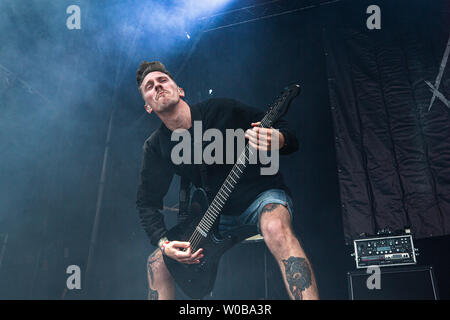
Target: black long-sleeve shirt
x=158 y=169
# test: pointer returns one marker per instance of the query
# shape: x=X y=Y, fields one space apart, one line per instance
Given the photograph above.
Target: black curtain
x=392 y=149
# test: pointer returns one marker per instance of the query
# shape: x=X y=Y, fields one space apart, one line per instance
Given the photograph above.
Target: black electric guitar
x=197 y=280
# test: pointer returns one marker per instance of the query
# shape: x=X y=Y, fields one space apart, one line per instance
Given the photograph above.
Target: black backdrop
x=392 y=148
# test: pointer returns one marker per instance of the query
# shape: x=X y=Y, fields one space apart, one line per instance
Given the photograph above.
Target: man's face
x=160 y=92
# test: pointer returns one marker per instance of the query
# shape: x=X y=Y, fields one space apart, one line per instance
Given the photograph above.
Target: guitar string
x=196 y=237
x=195 y=240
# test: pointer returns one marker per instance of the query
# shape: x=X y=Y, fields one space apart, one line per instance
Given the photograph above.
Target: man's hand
x=181 y=252
x=262 y=138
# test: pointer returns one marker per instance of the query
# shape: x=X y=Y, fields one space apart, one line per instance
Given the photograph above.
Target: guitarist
x=262 y=200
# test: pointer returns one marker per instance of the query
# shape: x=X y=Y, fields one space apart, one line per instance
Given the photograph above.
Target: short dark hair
x=146 y=67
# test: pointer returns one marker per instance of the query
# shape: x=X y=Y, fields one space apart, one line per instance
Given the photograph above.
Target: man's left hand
x=262 y=138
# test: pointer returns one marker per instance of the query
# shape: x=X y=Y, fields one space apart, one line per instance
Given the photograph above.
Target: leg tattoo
x=152 y=294
x=298 y=275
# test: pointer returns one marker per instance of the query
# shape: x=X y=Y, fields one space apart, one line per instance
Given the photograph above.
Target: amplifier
x=384 y=251
x=396 y=283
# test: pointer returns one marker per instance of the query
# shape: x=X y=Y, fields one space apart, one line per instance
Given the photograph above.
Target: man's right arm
x=153 y=223
x=154 y=181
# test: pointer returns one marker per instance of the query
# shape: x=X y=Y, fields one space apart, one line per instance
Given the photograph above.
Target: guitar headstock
x=281 y=105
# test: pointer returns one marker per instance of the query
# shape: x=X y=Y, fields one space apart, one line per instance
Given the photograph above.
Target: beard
x=162 y=93
x=166 y=103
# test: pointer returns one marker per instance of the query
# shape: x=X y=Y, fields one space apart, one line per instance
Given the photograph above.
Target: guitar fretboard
x=216 y=206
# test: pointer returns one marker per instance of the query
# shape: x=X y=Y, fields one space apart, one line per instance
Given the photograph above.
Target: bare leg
x=160 y=282
x=295 y=267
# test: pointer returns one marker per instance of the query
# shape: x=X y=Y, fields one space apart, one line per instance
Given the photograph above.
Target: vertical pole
x=101 y=188
x=2 y=251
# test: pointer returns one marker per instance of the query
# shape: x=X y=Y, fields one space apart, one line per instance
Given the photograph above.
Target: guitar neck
x=216 y=206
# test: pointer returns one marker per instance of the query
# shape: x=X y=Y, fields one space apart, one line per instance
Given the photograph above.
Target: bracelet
x=163 y=246
x=161 y=241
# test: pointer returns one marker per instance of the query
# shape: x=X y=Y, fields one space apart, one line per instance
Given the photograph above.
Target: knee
x=276 y=232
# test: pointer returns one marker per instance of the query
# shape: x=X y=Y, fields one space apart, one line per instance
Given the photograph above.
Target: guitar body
x=197 y=280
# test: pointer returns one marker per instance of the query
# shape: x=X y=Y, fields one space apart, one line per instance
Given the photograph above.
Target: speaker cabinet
x=248 y=271
x=396 y=283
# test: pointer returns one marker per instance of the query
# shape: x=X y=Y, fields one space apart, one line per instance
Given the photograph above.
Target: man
x=262 y=200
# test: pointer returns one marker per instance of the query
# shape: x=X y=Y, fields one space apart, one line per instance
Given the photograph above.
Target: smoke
x=57 y=89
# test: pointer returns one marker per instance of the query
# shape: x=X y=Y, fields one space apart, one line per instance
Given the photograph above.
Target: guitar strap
x=204 y=179
x=185 y=193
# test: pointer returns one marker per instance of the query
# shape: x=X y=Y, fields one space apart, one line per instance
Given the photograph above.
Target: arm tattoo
x=298 y=275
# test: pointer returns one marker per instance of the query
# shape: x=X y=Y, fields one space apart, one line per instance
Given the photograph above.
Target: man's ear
x=148 y=108
x=181 y=92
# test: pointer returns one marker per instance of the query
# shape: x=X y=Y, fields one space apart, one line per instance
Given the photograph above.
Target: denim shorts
x=252 y=215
